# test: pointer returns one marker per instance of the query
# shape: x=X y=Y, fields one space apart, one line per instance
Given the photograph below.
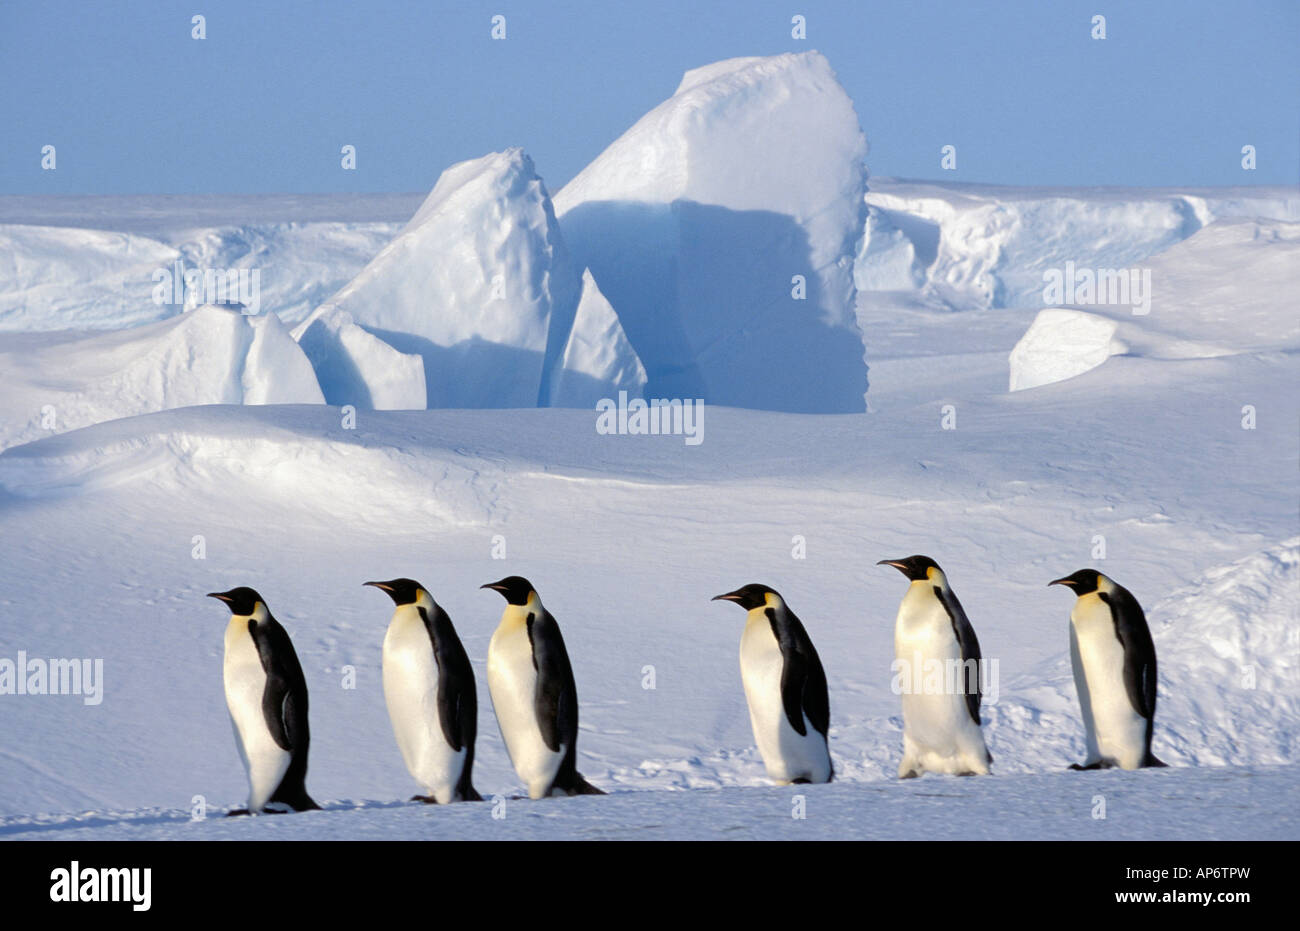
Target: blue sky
x=265 y=102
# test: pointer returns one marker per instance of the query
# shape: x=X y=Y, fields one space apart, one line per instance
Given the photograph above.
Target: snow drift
x=54 y=278
x=979 y=246
x=1237 y=627
x=211 y=355
x=700 y=221
x=1213 y=295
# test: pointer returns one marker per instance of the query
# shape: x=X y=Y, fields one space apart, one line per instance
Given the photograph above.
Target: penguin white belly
x=938 y=732
x=512 y=682
x=245 y=680
x=411 y=693
x=1115 y=731
x=786 y=754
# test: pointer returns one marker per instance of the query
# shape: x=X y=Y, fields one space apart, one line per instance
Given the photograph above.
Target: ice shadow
x=705 y=296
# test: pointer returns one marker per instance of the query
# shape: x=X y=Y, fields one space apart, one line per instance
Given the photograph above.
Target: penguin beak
x=220 y=596
x=1065 y=581
x=898 y=564
x=381 y=585
x=495 y=586
x=729 y=596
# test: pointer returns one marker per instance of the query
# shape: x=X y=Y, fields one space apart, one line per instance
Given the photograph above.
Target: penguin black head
x=242 y=600
x=916 y=568
x=748 y=597
x=514 y=588
x=402 y=591
x=1083 y=582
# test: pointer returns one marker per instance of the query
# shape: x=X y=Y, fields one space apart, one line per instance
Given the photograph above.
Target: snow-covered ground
x=1182 y=805
x=1012 y=441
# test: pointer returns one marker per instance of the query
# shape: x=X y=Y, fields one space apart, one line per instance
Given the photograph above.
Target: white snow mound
x=211 y=355
x=1061 y=344
x=1229 y=660
x=1213 y=295
x=53 y=278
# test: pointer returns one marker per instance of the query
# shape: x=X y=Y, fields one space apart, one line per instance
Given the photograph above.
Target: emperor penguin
x=430 y=693
x=533 y=693
x=785 y=688
x=941 y=726
x=266 y=694
x=1114 y=663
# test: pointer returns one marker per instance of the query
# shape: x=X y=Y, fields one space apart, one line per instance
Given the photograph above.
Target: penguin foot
x=1079 y=767
x=801 y=781
x=910 y=774
x=582 y=787
x=289 y=804
x=235 y=813
x=427 y=799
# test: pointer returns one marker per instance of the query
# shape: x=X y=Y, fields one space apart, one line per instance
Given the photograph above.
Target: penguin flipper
x=284 y=709
x=794 y=682
x=555 y=703
x=1139 y=650
x=455 y=681
x=970 y=649
x=816 y=696
x=274 y=698
x=284 y=698
x=799 y=673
